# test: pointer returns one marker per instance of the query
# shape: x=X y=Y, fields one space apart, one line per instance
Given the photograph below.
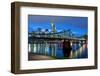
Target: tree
x=46 y=30
x=39 y=29
x=85 y=36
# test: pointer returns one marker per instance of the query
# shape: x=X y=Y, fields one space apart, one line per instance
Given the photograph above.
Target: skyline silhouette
x=78 y=25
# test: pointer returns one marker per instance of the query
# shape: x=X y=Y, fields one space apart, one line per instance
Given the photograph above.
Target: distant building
x=53 y=27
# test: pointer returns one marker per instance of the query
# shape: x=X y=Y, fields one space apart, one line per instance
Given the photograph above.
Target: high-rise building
x=53 y=27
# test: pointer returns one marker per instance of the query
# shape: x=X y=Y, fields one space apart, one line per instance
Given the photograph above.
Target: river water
x=55 y=50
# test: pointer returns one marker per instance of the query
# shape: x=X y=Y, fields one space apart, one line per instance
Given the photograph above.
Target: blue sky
x=78 y=25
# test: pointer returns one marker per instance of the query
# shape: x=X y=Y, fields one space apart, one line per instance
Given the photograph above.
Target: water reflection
x=55 y=49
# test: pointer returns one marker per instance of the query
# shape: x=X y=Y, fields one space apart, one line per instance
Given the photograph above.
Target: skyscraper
x=53 y=27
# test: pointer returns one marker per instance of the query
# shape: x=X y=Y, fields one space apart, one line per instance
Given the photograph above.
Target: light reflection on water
x=78 y=50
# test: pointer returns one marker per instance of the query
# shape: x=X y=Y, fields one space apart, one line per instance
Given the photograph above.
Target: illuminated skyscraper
x=53 y=27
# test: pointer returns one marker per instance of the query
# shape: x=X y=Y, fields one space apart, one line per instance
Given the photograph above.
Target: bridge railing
x=53 y=35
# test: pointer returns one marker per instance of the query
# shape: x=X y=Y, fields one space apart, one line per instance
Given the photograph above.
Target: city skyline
x=77 y=25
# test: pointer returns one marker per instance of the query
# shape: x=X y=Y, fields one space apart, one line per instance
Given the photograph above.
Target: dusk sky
x=78 y=25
